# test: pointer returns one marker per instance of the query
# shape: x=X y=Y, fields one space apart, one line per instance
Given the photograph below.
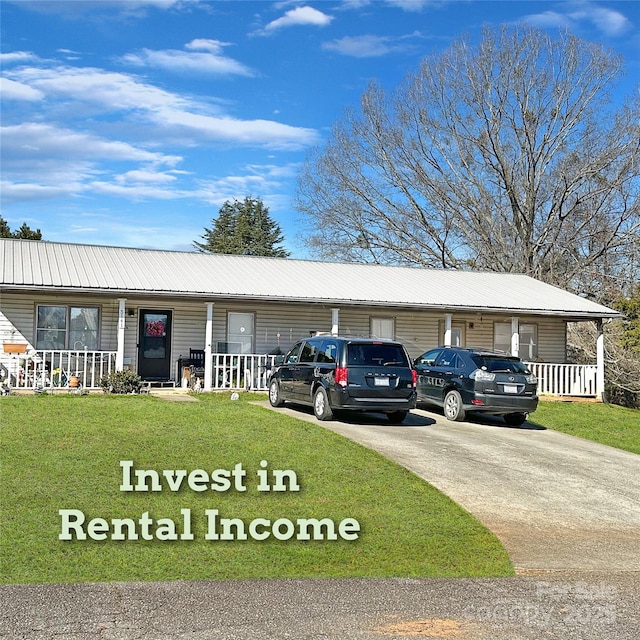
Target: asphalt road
x=554 y=607
x=567 y=510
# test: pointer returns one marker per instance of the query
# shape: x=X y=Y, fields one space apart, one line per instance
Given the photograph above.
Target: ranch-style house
x=71 y=313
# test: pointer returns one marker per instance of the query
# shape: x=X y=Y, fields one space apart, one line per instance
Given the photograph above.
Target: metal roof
x=35 y=265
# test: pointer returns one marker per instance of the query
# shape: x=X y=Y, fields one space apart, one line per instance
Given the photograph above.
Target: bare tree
x=507 y=156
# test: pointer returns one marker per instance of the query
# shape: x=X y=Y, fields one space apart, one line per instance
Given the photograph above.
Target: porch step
x=159 y=384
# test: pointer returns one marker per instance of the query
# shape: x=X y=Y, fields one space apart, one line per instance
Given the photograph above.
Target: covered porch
x=23 y=367
x=74 y=370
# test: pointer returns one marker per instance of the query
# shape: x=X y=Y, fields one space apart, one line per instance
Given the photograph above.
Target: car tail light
x=341 y=376
x=477 y=402
x=414 y=378
x=480 y=375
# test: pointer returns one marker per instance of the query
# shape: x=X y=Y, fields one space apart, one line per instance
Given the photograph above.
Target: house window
x=529 y=342
x=528 y=339
x=63 y=327
x=458 y=334
x=383 y=328
x=240 y=332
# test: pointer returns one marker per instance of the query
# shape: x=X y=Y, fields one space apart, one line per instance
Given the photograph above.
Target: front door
x=154 y=348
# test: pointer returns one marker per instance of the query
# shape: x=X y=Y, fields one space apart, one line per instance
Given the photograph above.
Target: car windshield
x=498 y=364
x=376 y=354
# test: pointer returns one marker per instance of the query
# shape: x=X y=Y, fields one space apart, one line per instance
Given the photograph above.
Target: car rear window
x=378 y=355
x=493 y=364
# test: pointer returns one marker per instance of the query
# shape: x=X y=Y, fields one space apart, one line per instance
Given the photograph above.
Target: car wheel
x=453 y=406
x=515 y=419
x=321 y=408
x=396 y=417
x=274 y=394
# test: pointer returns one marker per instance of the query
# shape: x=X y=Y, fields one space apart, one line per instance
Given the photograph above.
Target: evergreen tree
x=5 y=232
x=24 y=232
x=244 y=228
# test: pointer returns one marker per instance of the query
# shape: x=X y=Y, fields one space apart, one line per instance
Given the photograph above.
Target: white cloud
x=142 y=176
x=34 y=140
x=75 y=9
x=609 y=22
x=92 y=133
x=135 y=192
x=108 y=90
x=194 y=61
x=11 y=90
x=366 y=46
x=264 y=181
x=300 y=16
x=172 y=117
x=13 y=192
x=410 y=5
x=207 y=44
x=17 y=57
x=42 y=161
x=265 y=133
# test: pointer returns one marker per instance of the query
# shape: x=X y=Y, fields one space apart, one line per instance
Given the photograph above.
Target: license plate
x=510 y=388
x=381 y=382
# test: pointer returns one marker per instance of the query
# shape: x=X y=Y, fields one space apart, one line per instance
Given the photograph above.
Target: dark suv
x=461 y=380
x=356 y=374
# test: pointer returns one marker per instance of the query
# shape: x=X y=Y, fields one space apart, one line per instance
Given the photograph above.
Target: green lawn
x=64 y=452
x=604 y=423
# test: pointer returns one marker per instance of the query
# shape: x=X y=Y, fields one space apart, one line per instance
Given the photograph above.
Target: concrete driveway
x=556 y=502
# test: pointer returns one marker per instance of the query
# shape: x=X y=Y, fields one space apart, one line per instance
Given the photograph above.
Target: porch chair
x=196 y=359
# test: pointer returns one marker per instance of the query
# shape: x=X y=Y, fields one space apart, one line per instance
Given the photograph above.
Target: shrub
x=121 y=382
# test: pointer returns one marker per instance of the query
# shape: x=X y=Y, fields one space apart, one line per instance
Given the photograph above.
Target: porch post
x=120 y=337
x=515 y=336
x=600 y=360
x=335 y=321
x=447 y=329
x=208 y=349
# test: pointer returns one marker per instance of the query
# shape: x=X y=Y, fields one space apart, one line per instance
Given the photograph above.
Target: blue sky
x=130 y=123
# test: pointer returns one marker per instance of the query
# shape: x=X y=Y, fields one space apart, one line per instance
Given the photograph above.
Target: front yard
x=71 y=453
x=604 y=423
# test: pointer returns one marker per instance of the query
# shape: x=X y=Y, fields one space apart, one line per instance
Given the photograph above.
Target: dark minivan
x=462 y=379
x=332 y=373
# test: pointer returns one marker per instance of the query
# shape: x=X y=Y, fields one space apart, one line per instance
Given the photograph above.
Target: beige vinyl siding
x=20 y=311
x=277 y=325
x=16 y=321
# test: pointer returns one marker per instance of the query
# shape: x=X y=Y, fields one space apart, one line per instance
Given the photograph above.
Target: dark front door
x=154 y=349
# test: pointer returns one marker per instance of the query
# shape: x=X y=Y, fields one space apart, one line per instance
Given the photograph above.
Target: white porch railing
x=54 y=369
x=565 y=379
x=249 y=372
x=237 y=372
